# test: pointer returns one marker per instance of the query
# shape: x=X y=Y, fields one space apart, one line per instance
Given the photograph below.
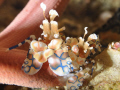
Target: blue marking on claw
x=69 y=63
x=73 y=88
x=75 y=83
x=80 y=79
x=60 y=62
x=29 y=67
x=60 y=56
x=32 y=65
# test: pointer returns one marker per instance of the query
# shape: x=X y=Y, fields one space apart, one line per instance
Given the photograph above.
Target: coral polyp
x=67 y=57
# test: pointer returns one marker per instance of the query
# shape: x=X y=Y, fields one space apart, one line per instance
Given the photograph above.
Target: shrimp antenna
x=43 y=6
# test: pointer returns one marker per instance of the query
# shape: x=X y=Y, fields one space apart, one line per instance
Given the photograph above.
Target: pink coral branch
x=26 y=23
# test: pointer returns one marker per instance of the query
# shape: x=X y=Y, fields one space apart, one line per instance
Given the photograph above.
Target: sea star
x=26 y=23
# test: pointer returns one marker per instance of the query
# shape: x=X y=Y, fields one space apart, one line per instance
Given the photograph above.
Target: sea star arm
x=11 y=72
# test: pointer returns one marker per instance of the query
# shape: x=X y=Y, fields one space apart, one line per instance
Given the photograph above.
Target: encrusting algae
x=70 y=58
x=107 y=70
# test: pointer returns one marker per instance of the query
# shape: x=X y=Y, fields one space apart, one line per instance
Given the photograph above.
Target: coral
x=107 y=70
x=107 y=86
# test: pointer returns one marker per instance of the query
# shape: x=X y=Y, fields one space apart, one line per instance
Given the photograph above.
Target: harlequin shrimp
x=66 y=56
